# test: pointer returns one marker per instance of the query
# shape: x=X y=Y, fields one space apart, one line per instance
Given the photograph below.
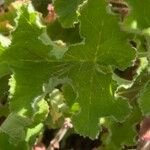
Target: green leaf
x=144 y=99
x=41 y=109
x=4 y=70
x=21 y=56
x=68 y=11
x=20 y=128
x=4 y=111
x=69 y=36
x=6 y=145
x=33 y=62
x=33 y=132
x=110 y=146
x=138 y=17
x=26 y=51
x=14 y=126
x=27 y=37
x=95 y=90
x=127 y=131
x=8 y=1
x=98 y=38
x=96 y=99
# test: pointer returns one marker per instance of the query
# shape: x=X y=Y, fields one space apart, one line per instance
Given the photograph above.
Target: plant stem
x=61 y=133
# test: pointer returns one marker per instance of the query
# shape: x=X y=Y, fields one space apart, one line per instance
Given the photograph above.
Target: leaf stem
x=54 y=144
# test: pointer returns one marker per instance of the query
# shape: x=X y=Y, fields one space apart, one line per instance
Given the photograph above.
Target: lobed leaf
x=32 y=57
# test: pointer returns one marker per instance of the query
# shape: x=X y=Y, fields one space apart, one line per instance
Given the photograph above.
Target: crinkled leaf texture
x=31 y=57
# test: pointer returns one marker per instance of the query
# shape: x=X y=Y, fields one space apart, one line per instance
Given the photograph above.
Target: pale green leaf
x=41 y=110
x=33 y=133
